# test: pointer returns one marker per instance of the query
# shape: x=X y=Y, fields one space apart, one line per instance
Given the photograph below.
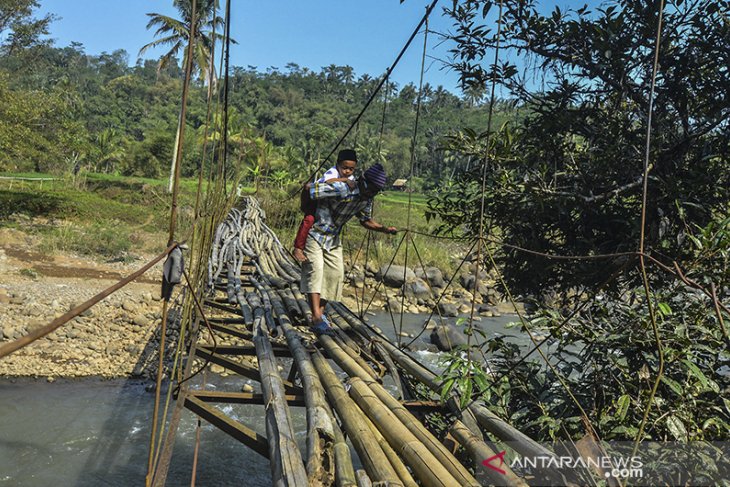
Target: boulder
x=446 y=337
x=467 y=282
x=430 y=324
x=394 y=305
x=433 y=275
x=393 y=276
x=355 y=277
x=448 y=309
x=416 y=289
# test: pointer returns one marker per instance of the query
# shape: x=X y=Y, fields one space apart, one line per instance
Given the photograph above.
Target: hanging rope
x=414 y=140
x=383 y=79
x=645 y=279
x=225 y=96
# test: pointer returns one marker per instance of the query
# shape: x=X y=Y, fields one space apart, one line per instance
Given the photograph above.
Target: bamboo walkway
x=254 y=295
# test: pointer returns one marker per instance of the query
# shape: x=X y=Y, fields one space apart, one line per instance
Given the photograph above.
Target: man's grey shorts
x=325 y=271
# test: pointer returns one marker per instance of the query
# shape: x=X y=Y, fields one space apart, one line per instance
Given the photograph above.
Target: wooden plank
x=236 y=332
x=241 y=369
x=239 y=431
x=226 y=321
x=247 y=350
x=243 y=397
x=223 y=307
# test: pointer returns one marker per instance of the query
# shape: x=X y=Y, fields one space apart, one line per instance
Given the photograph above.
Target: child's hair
x=346 y=155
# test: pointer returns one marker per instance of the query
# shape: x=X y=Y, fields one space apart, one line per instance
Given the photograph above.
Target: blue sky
x=366 y=35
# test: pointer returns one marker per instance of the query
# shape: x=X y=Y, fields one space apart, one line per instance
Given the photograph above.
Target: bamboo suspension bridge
x=367 y=401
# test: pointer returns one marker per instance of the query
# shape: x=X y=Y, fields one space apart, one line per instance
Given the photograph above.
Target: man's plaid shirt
x=336 y=204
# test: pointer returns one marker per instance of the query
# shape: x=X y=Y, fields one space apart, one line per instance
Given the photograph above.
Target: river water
x=96 y=433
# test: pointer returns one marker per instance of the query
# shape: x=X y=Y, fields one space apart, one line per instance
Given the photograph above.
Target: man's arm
x=374 y=226
x=319 y=191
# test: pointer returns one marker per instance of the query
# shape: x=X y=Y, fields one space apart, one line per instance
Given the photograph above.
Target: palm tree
x=176 y=33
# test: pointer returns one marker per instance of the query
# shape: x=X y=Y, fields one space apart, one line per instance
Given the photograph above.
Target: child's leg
x=301 y=239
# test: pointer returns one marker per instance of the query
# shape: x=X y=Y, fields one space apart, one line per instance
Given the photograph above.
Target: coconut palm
x=176 y=33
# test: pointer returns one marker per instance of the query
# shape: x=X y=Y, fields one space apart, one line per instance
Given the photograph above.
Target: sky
x=365 y=34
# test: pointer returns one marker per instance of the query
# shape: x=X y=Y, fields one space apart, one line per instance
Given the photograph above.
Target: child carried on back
x=342 y=172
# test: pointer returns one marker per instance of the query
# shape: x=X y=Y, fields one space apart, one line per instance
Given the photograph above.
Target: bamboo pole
x=366 y=445
x=479 y=452
x=425 y=466
x=398 y=465
x=344 y=471
x=287 y=468
x=438 y=450
x=486 y=419
x=345 y=360
x=320 y=423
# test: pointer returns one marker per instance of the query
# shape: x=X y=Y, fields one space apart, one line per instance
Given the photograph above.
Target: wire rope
x=414 y=140
x=375 y=92
x=645 y=279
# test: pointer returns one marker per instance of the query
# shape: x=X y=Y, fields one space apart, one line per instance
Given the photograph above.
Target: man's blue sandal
x=323 y=328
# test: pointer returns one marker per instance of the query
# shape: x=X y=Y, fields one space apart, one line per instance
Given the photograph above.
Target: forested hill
x=61 y=108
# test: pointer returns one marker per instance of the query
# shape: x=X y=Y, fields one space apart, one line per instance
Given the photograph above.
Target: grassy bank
x=92 y=214
x=115 y=216
x=392 y=209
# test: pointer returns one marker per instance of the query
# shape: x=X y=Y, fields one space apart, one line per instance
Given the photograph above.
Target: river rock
x=506 y=307
x=88 y=312
x=35 y=323
x=393 y=276
x=355 y=277
x=448 y=309
x=430 y=324
x=446 y=337
x=394 y=305
x=433 y=275
x=141 y=321
x=467 y=282
x=417 y=289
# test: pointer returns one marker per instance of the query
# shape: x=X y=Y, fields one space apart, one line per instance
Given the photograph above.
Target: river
x=94 y=432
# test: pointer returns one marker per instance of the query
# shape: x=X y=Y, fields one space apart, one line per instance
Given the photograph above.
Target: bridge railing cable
x=31 y=337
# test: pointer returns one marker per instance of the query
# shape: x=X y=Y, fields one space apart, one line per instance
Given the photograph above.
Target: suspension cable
x=383 y=79
x=414 y=140
x=647 y=290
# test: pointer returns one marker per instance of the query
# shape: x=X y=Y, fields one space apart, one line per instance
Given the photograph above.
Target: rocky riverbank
x=115 y=338
x=399 y=288
x=118 y=337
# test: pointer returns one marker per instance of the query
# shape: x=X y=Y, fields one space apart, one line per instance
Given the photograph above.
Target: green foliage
x=175 y=33
x=18 y=28
x=608 y=357
x=567 y=179
x=107 y=239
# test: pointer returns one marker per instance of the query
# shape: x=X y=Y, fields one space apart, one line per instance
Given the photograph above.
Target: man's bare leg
x=316 y=305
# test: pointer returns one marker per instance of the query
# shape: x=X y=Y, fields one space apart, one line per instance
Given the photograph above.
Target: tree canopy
x=567 y=178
